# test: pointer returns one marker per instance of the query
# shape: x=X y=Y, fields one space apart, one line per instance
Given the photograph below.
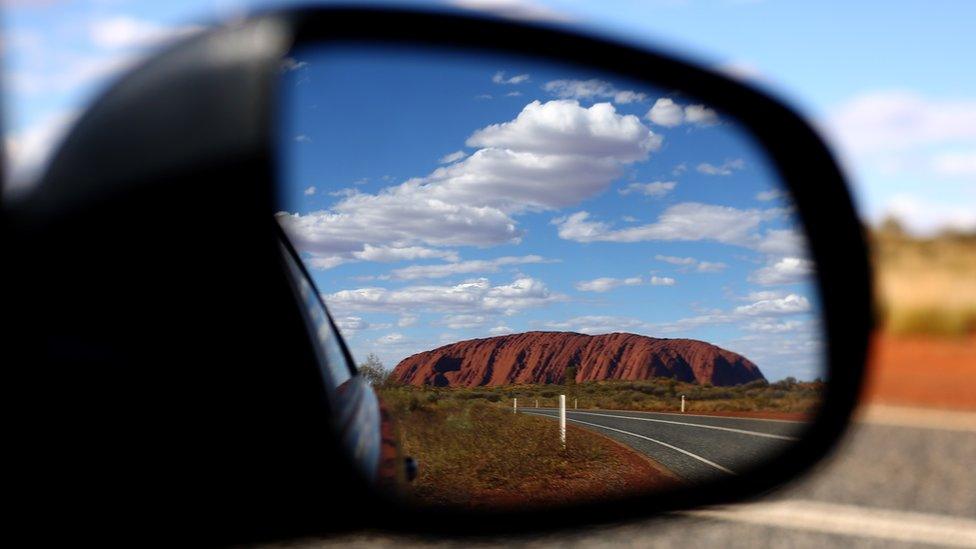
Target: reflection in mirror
x=499 y=239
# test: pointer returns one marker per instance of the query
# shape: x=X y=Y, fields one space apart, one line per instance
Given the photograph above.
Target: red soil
x=920 y=371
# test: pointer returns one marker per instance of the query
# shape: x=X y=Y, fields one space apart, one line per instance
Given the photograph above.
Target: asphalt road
x=901 y=478
x=696 y=448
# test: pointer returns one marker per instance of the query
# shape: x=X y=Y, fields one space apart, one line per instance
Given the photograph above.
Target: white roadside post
x=574 y=403
x=682 y=404
x=515 y=405
x=536 y=403
x=562 y=420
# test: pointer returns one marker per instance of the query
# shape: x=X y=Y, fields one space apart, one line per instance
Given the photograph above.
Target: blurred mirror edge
x=561 y=263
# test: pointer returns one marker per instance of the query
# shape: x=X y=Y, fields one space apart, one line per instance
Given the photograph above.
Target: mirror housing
x=161 y=201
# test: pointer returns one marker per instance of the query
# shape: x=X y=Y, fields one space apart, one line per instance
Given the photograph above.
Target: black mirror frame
x=240 y=125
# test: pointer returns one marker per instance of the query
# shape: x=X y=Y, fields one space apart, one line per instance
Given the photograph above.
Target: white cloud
x=786 y=270
x=789 y=242
x=499 y=78
x=725 y=168
x=654 y=189
x=599 y=324
x=551 y=155
x=662 y=281
x=772 y=194
x=665 y=112
x=674 y=260
x=123 y=32
x=892 y=121
x=463 y=267
x=771 y=326
x=589 y=90
x=501 y=329
x=563 y=127
x=385 y=254
x=302 y=138
x=464 y=321
x=690 y=262
x=477 y=296
x=453 y=157
x=406 y=320
x=711 y=267
x=394 y=338
x=605 y=284
x=350 y=325
x=790 y=304
x=310 y=190
x=684 y=221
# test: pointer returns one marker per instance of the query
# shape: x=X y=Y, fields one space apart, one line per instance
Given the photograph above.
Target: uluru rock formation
x=543 y=357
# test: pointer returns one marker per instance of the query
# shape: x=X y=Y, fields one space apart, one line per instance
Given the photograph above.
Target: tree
x=373 y=371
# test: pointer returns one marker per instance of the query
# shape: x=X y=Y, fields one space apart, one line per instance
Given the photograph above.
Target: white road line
x=665 y=444
x=850 y=520
x=740 y=431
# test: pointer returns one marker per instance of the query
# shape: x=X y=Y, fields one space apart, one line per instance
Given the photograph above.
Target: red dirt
x=634 y=474
x=921 y=371
x=543 y=357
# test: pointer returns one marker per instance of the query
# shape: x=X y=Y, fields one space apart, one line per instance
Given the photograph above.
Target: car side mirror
x=637 y=259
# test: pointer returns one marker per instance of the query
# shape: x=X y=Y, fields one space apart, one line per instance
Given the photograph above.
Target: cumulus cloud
x=786 y=270
x=394 y=338
x=463 y=267
x=605 y=284
x=590 y=90
x=665 y=112
x=477 y=296
x=725 y=168
x=499 y=78
x=662 y=281
x=452 y=157
x=310 y=190
x=501 y=329
x=406 y=320
x=563 y=127
x=748 y=316
x=655 y=189
x=550 y=156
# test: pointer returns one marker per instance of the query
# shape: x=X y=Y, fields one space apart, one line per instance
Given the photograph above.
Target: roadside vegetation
x=473 y=452
x=924 y=286
x=788 y=396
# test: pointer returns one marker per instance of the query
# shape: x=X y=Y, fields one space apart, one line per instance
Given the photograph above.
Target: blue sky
x=889 y=82
x=496 y=195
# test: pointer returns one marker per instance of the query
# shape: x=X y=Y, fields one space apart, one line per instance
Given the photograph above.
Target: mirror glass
x=500 y=238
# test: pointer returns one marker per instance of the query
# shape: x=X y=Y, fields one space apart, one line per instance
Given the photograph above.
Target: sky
x=500 y=195
x=888 y=83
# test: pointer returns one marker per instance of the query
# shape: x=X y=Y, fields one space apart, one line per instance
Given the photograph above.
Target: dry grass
x=653 y=395
x=473 y=452
x=925 y=286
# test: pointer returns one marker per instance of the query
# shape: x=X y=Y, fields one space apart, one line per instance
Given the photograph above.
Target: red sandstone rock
x=542 y=357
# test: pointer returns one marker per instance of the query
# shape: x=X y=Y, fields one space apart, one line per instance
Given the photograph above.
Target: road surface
x=696 y=448
x=901 y=478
